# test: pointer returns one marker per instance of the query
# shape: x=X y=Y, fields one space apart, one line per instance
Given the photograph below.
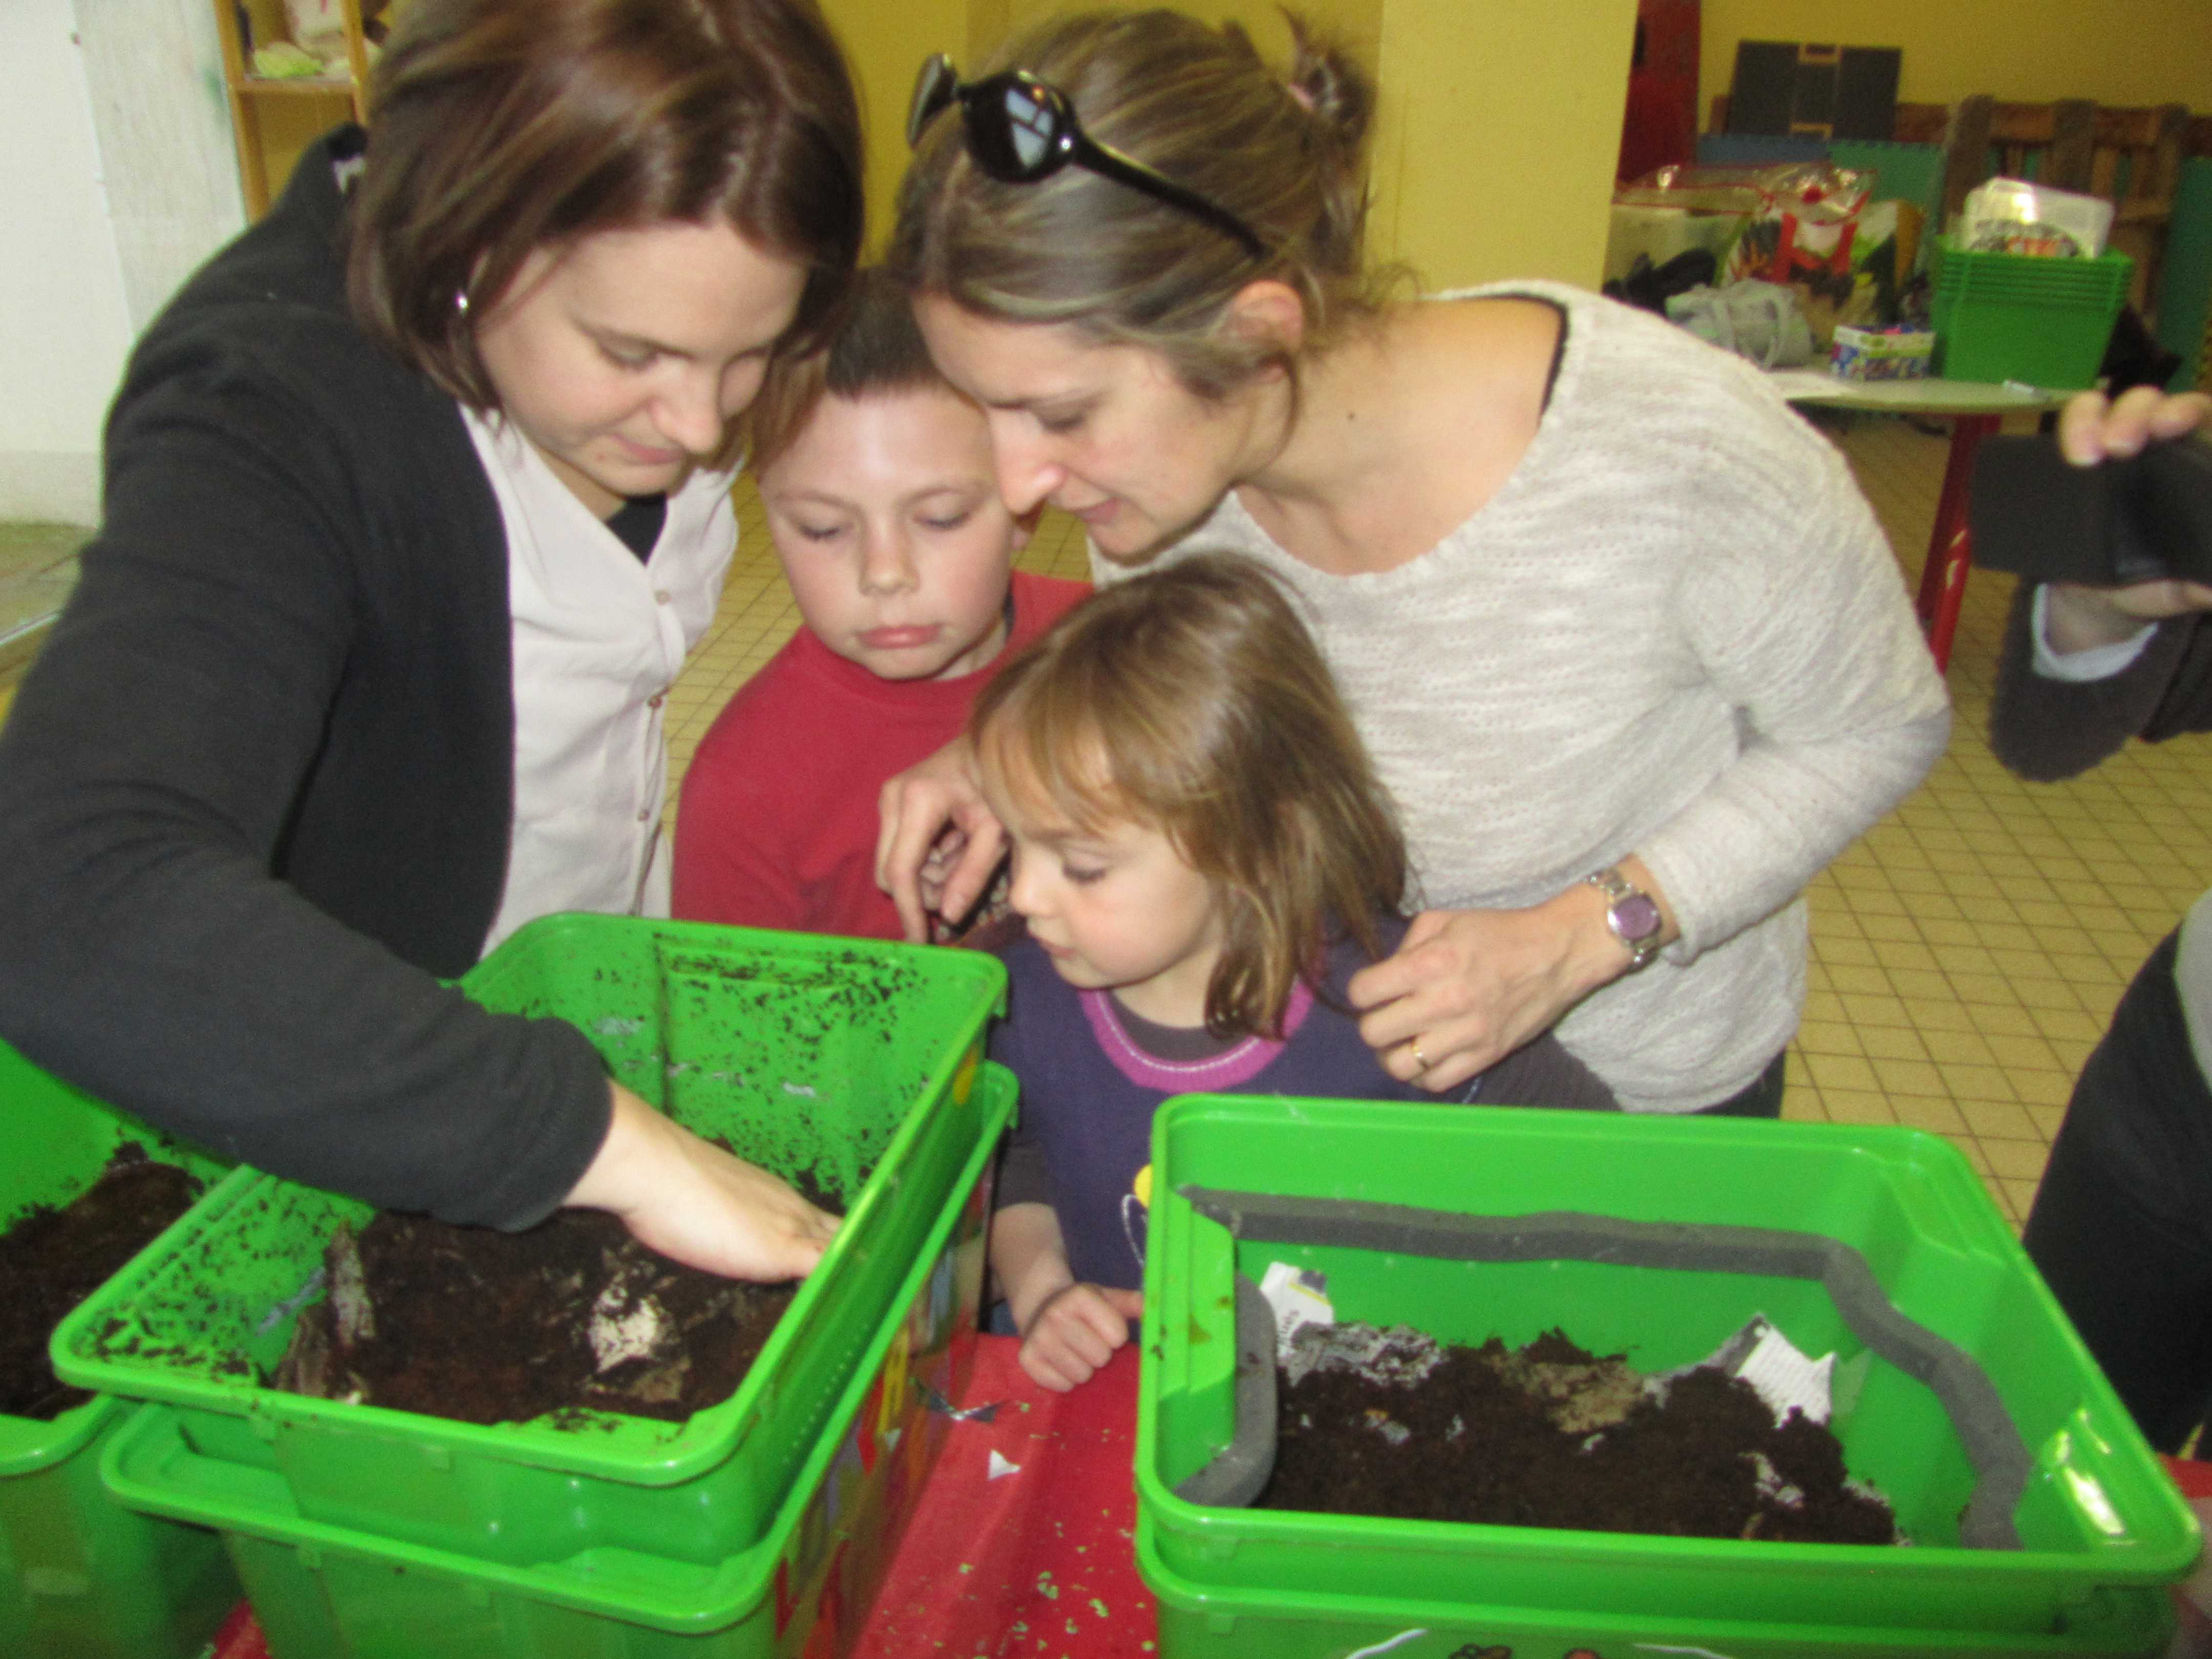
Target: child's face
x=1115 y=907
x=886 y=514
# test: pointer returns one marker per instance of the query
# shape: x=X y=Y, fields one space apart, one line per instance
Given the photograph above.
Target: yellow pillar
x=1500 y=127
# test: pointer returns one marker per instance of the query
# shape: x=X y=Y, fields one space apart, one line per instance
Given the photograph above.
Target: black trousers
x=2135 y=1279
x=1762 y=1097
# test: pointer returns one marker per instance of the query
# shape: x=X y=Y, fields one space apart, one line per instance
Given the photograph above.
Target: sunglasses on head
x=1020 y=130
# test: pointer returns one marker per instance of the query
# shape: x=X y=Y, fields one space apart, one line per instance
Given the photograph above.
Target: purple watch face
x=1636 y=918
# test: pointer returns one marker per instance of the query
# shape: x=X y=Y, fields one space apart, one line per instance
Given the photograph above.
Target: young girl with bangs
x=1203 y=858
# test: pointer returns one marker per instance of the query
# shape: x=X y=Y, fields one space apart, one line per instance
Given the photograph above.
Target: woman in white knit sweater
x=1628 y=646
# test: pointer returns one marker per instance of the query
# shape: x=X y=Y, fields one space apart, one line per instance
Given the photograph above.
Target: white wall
x=106 y=199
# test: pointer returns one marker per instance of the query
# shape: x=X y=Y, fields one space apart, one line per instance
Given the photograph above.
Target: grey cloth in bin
x=1237 y=1473
x=1993 y=1444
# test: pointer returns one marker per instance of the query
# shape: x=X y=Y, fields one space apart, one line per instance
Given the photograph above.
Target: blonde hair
x=1199 y=106
x=1191 y=700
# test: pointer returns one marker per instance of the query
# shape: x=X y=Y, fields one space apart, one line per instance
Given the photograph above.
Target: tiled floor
x=38 y=569
x=1966 y=953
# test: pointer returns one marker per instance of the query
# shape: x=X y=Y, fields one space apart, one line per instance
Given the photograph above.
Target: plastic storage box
x=82 y=1576
x=803 y=1588
x=2102 y=1529
x=807 y=1055
x=2043 y=322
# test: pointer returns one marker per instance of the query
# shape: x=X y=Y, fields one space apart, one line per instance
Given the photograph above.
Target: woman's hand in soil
x=936 y=842
x=1075 y=1331
x=1467 y=987
x=696 y=1203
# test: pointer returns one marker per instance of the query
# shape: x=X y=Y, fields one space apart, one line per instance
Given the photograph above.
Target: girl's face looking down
x=624 y=358
x=1115 y=906
x=1105 y=432
x=887 y=518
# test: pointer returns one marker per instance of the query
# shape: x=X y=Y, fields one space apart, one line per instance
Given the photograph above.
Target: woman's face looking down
x=623 y=357
x=1106 y=433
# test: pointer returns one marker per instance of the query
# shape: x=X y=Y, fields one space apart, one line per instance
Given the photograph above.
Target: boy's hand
x=1075 y=1331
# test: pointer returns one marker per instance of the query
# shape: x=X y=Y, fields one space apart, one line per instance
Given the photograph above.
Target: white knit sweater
x=1677 y=631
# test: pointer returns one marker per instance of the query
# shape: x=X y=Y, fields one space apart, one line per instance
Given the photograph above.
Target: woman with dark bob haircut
x=415 y=496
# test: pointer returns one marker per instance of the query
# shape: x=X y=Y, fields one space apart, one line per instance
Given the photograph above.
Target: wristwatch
x=1632 y=914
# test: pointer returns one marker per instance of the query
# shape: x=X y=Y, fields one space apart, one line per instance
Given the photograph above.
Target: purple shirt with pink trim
x=1088 y=1090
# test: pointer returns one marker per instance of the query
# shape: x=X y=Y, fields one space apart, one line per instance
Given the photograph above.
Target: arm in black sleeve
x=2046 y=729
x=152 y=772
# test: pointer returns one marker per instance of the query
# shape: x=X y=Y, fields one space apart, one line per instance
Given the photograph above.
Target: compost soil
x=1552 y=1436
x=52 y=1258
x=487 y=1326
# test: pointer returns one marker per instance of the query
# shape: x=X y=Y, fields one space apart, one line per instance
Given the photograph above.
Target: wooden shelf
x=248 y=90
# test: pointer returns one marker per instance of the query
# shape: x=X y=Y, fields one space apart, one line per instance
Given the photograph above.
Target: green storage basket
x=802 y=1589
x=82 y=1576
x=2102 y=1528
x=2042 y=322
x=808 y=1056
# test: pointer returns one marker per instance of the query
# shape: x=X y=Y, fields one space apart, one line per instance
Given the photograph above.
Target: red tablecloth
x=1037 y=1558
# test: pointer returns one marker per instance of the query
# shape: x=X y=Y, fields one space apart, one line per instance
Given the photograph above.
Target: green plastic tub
x=82 y=1576
x=809 y=1055
x=2101 y=1529
x=2017 y=316
x=802 y=1589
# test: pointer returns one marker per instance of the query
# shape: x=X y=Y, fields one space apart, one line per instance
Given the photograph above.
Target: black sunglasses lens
x=938 y=85
x=1018 y=128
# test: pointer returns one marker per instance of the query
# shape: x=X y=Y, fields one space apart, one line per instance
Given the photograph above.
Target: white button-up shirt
x=598 y=638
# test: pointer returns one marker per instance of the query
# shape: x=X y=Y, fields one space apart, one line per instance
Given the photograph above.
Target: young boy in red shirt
x=885 y=509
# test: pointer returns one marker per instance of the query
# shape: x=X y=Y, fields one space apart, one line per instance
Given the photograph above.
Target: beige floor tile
x=1931 y=1113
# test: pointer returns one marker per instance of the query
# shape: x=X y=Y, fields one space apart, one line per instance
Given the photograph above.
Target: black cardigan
x=255 y=795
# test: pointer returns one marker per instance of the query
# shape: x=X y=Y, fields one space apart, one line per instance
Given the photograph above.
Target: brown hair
x=503 y=126
x=872 y=347
x=1198 y=105
x=1192 y=699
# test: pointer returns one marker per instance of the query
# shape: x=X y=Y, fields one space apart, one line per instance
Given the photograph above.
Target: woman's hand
x=2092 y=431
x=936 y=842
x=696 y=1203
x=1467 y=987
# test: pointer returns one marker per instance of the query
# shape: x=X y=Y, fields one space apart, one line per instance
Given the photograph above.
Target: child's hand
x=1075 y=1331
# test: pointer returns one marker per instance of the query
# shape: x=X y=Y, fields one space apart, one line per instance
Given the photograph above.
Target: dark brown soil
x=1480 y=1439
x=486 y=1326
x=53 y=1258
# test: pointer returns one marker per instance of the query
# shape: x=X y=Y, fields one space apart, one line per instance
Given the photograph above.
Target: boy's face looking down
x=886 y=515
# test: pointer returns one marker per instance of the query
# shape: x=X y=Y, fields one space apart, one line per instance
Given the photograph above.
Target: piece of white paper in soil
x=1780 y=1373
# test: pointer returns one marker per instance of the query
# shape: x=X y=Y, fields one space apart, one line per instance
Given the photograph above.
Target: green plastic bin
x=808 y=1056
x=803 y=1588
x=82 y=1576
x=2102 y=1528
x=2043 y=322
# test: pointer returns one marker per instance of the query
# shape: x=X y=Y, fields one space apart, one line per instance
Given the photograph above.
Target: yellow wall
x=1495 y=139
x=1501 y=126
x=2116 y=52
